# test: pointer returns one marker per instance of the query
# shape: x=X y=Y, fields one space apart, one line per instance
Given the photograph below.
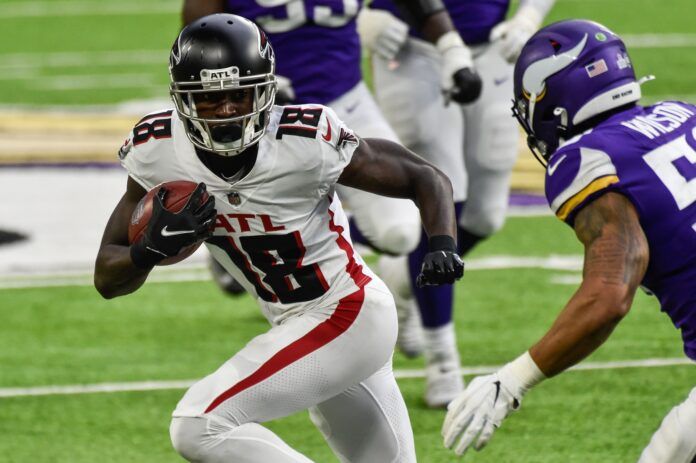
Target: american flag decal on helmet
x=596 y=68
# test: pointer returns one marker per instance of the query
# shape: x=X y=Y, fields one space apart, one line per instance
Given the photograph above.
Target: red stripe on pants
x=342 y=318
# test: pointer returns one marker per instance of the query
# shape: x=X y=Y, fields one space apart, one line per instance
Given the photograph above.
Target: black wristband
x=442 y=243
x=143 y=257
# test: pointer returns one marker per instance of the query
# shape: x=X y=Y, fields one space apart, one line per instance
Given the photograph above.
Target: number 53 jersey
x=648 y=154
x=280 y=230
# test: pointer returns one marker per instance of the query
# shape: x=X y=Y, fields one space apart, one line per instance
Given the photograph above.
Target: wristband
x=448 y=40
x=525 y=370
x=442 y=243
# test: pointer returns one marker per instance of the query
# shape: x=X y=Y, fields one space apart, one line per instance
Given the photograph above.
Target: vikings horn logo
x=534 y=77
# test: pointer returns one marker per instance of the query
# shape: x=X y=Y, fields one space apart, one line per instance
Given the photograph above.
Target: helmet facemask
x=224 y=136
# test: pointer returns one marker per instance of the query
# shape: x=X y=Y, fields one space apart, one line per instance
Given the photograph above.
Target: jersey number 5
x=675 y=165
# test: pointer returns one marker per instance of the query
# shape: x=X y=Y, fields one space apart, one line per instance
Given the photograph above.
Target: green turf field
x=182 y=331
x=78 y=52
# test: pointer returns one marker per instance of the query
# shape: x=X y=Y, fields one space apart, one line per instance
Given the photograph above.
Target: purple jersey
x=315 y=42
x=474 y=19
x=647 y=154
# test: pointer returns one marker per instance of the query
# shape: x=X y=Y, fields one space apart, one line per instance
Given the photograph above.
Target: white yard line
x=659 y=40
x=94 y=81
x=31 y=68
x=400 y=374
x=571 y=279
x=196 y=271
x=92 y=58
x=34 y=9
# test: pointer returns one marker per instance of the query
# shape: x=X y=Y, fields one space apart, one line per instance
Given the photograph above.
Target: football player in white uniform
x=319 y=57
x=275 y=222
x=475 y=144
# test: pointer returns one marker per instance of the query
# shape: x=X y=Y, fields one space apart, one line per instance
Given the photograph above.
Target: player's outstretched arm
x=616 y=258
x=114 y=271
x=387 y=168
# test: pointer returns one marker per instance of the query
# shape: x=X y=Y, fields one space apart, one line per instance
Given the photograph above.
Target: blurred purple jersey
x=647 y=154
x=474 y=19
x=315 y=42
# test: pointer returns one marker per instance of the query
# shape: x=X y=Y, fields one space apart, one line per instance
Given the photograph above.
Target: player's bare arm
x=460 y=81
x=122 y=268
x=616 y=258
x=114 y=272
x=194 y=9
x=387 y=168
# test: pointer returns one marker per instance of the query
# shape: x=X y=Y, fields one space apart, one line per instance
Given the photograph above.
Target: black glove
x=168 y=233
x=467 y=86
x=442 y=265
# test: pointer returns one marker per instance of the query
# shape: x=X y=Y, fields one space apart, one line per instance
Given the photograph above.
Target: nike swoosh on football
x=552 y=168
x=166 y=232
x=500 y=81
x=327 y=135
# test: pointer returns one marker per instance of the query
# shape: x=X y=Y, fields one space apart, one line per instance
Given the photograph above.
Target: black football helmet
x=222 y=53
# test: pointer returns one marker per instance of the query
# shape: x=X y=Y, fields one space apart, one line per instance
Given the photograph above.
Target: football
x=178 y=193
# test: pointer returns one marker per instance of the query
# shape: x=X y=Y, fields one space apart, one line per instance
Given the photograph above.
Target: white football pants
x=393 y=225
x=675 y=439
x=475 y=144
x=336 y=360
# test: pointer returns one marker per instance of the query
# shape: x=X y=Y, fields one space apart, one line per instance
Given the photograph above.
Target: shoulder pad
x=574 y=175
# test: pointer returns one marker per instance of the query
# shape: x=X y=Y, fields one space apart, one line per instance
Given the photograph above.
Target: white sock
x=441 y=342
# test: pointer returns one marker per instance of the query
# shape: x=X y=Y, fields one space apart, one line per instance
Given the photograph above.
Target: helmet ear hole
x=548 y=114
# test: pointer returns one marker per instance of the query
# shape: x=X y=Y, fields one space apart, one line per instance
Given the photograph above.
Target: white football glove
x=460 y=81
x=512 y=34
x=479 y=410
x=381 y=32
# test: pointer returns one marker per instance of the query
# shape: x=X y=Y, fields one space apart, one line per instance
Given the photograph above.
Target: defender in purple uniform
x=624 y=177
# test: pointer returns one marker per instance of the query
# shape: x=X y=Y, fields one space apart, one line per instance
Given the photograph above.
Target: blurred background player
x=274 y=221
x=318 y=58
x=475 y=144
x=624 y=177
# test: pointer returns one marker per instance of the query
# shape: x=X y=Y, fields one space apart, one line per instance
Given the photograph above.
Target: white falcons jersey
x=281 y=230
